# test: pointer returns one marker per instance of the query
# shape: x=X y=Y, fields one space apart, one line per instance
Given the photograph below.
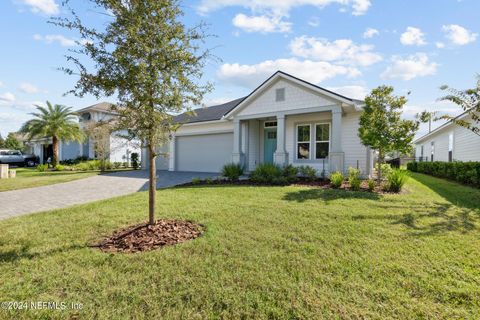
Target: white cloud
x=7 y=97
x=51 y=38
x=459 y=35
x=263 y=23
x=440 y=45
x=343 y=51
x=370 y=33
x=413 y=36
x=417 y=65
x=314 y=22
x=49 y=7
x=250 y=76
x=28 y=88
x=281 y=7
x=355 y=92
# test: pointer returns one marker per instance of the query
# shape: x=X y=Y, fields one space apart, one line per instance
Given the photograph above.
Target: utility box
x=3 y=171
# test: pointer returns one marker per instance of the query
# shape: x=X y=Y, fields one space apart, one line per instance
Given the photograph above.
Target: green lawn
x=269 y=252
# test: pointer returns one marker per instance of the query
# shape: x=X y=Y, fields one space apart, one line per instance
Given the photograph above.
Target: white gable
x=296 y=97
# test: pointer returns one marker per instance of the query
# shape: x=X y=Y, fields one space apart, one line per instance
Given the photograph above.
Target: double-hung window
x=313 y=141
x=322 y=140
x=303 y=142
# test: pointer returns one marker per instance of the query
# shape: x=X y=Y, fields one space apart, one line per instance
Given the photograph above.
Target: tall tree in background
x=469 y=101
x=427 y=117
x=149 y=59
x=11 y=142
x=382 y=127
x=2 y=142
x=55 y=121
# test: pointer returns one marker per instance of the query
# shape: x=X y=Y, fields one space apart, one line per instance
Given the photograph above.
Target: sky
x=348 y=46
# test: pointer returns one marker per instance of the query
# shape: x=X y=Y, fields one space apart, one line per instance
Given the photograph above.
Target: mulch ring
x=144 y=237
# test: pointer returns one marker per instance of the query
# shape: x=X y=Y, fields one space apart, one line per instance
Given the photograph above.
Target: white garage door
x=203 y=153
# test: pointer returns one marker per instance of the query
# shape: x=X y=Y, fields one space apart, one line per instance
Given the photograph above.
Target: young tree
x=11 y=142
x=381 y=125
x=469 y=101
x=100 y=132
x=2 y=142
x=56 y=121
x=150 y=60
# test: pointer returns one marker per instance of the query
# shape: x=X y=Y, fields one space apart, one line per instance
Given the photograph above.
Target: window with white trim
x=303 y=142
x=322 y=140
x=432 y=150
x=450 y=147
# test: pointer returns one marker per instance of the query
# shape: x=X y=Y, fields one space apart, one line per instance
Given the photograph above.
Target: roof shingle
x=208 y=114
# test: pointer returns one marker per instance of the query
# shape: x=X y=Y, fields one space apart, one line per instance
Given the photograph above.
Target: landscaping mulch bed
x=144 y=237
x=319 y=183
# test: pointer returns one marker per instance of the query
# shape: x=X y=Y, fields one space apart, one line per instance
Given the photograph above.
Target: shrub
x=354 y=178
x=386 y=169
x=268 y=174
x=290 y=173
x=196 y=181
x=336 y=179
x=396 y=179
x=371 y=185
x=42 y=167
x=209 y=180
x=232 y=171
x=308 y=172
x=59 y=167
x=117 y=165
x=463 y=172
x=82 y=166
x=135 y=160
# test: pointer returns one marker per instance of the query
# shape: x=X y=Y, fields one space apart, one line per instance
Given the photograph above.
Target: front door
x=269 y=144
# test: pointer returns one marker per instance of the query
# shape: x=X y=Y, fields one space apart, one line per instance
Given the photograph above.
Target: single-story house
x=119 y=149
x=285 y=120
x=449 y=142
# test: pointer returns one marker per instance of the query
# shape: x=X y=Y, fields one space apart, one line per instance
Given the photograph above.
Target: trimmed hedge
x=463 y=172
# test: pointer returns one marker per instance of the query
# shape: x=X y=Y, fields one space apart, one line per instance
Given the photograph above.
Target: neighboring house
x=119 y=148
x=285 y=120
x=449 y=142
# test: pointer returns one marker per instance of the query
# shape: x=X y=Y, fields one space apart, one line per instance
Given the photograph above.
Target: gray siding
x=70 y=150
x=203 y=153
x=466 y=144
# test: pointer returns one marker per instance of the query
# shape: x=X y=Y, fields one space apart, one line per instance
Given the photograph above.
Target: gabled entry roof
x=225 y=110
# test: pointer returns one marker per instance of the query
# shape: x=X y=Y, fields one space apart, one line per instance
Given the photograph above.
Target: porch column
x=280 y=156
x=171 y=153
x=337 y=156
x=237 y=155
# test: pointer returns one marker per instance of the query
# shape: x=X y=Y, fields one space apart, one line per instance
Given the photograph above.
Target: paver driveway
x=61 y=195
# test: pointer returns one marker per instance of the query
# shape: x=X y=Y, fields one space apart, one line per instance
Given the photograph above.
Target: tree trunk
x=55 y=151
x=152 y=186
x=379 y=167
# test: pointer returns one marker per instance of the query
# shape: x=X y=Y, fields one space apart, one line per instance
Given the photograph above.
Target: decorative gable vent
x=280 y=94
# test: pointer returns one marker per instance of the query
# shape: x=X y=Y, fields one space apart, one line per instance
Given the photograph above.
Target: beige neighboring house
x=285 y=120
x=120 y=149
x=449 y=142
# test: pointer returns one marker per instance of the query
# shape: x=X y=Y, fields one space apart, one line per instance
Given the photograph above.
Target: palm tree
x=54 y=121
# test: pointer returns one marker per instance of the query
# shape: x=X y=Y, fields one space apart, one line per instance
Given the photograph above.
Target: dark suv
x=17 y=158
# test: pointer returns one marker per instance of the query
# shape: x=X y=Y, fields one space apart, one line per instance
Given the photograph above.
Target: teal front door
x=269 y=144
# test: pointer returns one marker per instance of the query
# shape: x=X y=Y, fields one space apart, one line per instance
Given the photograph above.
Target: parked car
x=17 y=158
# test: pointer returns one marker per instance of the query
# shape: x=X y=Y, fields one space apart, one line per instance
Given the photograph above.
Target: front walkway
x=24 y=201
